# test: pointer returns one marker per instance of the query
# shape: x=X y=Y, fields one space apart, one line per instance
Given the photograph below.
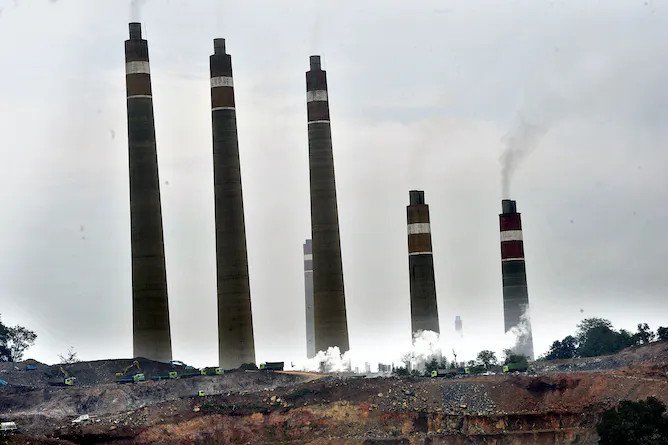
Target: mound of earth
x=256 y=407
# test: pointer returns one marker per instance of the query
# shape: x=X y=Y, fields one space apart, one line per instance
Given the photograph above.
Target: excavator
x=68 y=380
x=122 y=377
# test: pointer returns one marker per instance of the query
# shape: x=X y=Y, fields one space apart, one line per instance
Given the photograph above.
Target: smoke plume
x=519 y=143
x=519 y=339
x=327 y=361
x=135 y=9
x=425 y=347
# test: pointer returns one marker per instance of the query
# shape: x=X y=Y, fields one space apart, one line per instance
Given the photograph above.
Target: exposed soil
x=552 y=407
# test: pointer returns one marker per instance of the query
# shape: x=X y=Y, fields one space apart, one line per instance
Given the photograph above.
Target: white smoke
x=136 y=7
x=327 y=361
x=519 y=143
x=425 y=347
x=519 y=339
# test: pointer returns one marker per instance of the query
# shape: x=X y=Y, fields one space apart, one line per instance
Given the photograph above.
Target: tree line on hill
x=596 y=336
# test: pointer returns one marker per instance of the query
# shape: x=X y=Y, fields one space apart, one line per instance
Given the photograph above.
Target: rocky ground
x=559 y=405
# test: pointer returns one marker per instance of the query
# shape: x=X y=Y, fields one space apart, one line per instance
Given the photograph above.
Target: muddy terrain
x=560 y=404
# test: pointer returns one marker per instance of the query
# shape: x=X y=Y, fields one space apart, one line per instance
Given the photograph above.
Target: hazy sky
x=423 y=94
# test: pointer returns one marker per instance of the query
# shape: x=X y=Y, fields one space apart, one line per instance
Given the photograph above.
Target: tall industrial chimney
x=308 y=287
x=459 y=328
x=424 y=310
x=150 y=311
x=235 y=321
x=515 y=295
x=331 y=328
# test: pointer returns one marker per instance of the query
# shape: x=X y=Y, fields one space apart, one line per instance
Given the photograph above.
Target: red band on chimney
x=512 y=249
x=510 y=221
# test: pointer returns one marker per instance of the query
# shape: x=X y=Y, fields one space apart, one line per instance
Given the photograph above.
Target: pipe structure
x=308 y=288
x=235 y=321
x=513 y=267
x=424 y=309
x=150 y=309
x=331 y=327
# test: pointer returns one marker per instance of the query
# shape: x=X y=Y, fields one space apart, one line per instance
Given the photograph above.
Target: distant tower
x=424 y=310
x=150 y=309
x=235 y=320
x=308 y=287
x=329 y=303
x=515 y=294
x=458 y=326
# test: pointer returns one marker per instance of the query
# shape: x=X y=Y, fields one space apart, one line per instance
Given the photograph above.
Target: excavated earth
x=560 y=404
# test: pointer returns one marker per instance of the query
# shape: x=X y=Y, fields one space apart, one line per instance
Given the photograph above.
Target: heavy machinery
x=479 y=369
x=171 y=375
x=68 y=380
x=272 y=366
x=516 y=367
x=190 y=371
x=123 y=377
x=212 y=370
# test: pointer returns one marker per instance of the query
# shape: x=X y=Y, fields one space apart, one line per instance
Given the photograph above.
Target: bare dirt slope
x=553 y=407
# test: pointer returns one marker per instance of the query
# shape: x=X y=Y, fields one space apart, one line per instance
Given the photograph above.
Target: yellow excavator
x=67 y=379
x=122 y=377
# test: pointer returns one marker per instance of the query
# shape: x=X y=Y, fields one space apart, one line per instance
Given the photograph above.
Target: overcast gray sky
x=423 y=94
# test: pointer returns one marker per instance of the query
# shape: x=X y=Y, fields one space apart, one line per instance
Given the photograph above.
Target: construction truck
x=123 y=377
x=472 y=370
x=190 y=371
x=515 y=367
x=212 y=370
x=171 y=375
x=272 y=366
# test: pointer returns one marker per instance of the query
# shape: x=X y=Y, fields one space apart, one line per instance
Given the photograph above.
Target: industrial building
x=308 y=291
x=424 y=309
x=150 y=309
x=329 y=304
x=515 y=293
x=235 y=320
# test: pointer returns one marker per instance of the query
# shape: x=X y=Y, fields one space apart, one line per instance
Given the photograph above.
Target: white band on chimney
x=417 y=228
x=512 y=259
x=319 y=122
x=221 y=81
x=317 y=95
x=141 y=96
x=511 y=235
x=419 y=253
x=137 y=67
x=308 y=256
x=222 y=108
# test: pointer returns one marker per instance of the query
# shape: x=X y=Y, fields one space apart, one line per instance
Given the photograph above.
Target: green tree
x=431 y=365
x=14 y=341
x=400 y=371
x=511 y=357
x=487 y=358
x=637 y=423
x=588 y=324
x=596 y=337
x=662 y=333
x=5 y=353
x=644 y=335
x=566 y=348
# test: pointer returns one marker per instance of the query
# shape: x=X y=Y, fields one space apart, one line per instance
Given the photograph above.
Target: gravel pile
x=471 y=397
